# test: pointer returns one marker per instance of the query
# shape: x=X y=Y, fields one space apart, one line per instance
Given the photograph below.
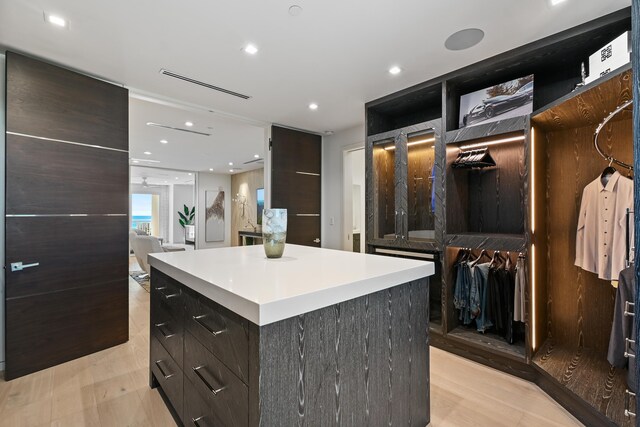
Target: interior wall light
x=493 y=142
x=412 y=143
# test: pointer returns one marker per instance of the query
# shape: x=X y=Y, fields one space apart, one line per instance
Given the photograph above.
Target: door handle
x=627 y=309
x=627 y=348
x=19 y=266
x=628 y=395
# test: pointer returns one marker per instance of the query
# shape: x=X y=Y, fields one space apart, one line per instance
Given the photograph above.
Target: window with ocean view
x=141 y=211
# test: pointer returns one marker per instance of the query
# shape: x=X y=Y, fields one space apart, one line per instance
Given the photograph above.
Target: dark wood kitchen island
x=318 y=337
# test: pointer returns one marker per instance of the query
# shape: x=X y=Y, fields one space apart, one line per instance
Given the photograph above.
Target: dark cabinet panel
x=168 y=374
x=221 y=331
x=294 y=150
x=48 y=101
x=303 y=230
x=226 y=395
x=301 y=196
x=56 y=327
x=45 y=177
x=167 y=326
x=73 y=252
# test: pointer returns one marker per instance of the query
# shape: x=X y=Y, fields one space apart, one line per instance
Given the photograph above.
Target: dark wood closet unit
x=67 y=186
x=542 y=160
x=574 y=309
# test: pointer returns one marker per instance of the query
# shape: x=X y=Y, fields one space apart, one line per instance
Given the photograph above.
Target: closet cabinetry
x=515 y=197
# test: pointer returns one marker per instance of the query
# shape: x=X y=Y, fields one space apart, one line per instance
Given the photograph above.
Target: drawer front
x=168 y=291
x=222 y=332
x=197 y=412
x=167 y=328
x=223 y=392
x=168 y=374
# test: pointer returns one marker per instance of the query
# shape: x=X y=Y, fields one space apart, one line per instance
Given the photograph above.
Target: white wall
x=2 y=163
x=333 y=147
x=181 y=194
x=212 y=182
x=354 y=172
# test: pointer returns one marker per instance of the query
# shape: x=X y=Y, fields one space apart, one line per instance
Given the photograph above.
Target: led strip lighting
x=494 y=142
x=533 y=248
x=409 y=144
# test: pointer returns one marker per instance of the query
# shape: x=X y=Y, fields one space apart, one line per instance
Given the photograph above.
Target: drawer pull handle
x=165 y=296
x=627 y=403
x=199 y=321
x=195 y=421
x=627 y=348
x=160 y=327
x=166 y=376
x=212 y=389
x=627 y=309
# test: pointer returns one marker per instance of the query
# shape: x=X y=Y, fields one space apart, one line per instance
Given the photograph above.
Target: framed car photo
x=510 y=99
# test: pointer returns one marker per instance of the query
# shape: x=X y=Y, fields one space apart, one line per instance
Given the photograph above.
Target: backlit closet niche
x=572 y=310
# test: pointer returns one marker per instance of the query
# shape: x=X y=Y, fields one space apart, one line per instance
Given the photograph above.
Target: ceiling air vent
x=254 y=161
x=203 y=84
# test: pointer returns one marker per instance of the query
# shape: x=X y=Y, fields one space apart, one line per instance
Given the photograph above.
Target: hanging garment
x=461 y=292
x=479 y=274
x=519 y=291
x=495 y=305
x=433 y=188
x=623 y=326
x=601 y=234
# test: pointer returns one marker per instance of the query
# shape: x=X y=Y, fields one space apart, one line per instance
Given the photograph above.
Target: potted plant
x=186 y=217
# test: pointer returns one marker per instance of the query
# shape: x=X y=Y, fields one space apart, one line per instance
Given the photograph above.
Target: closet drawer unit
x=221 y=389
x=197 y=412
x=168 y=374
x=168 y=328
x=222 y=332
x=168 y=291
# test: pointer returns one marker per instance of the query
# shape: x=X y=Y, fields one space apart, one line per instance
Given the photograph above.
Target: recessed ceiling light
x=230 y=170
x=190 y=173
x=251 y=49
x=164 y=141
x=230 y=163
x=56 y=20
x=295 y=10
x=210 y=169
x=176 y=177
x=148 y=153
x=556 y=2
x=313 y=106
x=188 y=124
x=395 y=70
x=464 y=39
x=256 y=156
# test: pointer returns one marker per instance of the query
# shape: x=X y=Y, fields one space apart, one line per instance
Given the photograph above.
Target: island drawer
x=197 y=412
x=225 y=394
x=168 y=374
x=166 y=290
x=222 y=332
x=168 y=328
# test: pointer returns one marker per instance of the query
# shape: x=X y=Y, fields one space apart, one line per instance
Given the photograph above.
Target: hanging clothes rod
x=608 y=157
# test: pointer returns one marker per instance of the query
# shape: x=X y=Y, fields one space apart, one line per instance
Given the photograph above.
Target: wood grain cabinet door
x=296 y=162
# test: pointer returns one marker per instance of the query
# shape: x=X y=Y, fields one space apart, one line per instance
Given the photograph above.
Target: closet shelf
x=494 y=343
x=584 y=89
x=586 y=373
x=491 y=241
x=500 y=127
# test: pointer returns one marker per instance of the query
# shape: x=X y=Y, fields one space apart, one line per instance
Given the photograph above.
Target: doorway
x=354 y=219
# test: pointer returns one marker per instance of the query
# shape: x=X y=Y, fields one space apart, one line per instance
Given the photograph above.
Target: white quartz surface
x=265 y=290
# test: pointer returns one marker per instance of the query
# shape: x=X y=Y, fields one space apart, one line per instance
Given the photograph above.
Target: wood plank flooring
x=110 y=388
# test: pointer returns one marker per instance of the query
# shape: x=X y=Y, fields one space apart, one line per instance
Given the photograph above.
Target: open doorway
x=354 y=218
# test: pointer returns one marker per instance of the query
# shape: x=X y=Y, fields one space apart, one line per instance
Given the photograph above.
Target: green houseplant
x=186 y=216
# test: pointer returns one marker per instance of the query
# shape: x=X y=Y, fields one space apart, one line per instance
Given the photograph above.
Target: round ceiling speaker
x=464 y=39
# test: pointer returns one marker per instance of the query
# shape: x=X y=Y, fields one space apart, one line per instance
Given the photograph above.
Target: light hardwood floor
x=110 y=388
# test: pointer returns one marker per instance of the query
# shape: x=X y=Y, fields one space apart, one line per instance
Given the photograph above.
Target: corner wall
x=212 y=182
x=245 y=185
x=333 y=147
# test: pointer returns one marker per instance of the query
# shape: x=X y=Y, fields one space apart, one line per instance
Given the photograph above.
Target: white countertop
x=265 y=290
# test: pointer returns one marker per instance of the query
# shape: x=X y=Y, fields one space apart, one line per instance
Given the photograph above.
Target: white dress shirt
x=601 y=236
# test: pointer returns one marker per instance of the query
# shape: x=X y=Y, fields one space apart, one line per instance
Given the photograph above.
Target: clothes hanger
x=607 y=173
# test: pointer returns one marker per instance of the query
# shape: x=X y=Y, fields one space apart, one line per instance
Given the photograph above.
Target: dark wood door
x=296 y=159
x=66 y=215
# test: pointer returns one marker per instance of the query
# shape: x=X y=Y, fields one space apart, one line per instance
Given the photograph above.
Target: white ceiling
x=230 y=140
x=156 y=176
x=336 y=53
